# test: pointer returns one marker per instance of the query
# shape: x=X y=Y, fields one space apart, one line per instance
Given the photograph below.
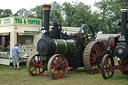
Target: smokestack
x=124 y=22
x=46 y=17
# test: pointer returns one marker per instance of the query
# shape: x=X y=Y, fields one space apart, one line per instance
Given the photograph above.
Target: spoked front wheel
x=58 y=66
x=34 y=65
x=107 y=66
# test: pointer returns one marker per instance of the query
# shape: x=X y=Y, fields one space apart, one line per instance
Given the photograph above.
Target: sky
x=15 y=5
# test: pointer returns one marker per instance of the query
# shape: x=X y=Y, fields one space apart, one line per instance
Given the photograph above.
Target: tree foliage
x=77 y=13
x=56 y=13
x=110 y=14
x=22 y=13
x=69 y=14
x=5 y=13
x=36 y=12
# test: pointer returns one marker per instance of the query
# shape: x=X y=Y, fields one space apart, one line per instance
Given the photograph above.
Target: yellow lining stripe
x=65 y=46
x=74 y=45
x=56 y=46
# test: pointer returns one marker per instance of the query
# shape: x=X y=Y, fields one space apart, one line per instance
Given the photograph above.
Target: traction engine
x=60 y=52
x=117 y=47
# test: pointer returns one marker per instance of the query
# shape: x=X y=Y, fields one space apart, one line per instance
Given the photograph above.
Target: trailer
x=24 y=31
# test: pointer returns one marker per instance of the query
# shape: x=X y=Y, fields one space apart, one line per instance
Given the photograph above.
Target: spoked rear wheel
x=34 y=65
x=92 y=56
x=107 y=66
x=57 y=66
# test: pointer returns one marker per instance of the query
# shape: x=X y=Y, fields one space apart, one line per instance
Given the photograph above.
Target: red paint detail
x=98 y=50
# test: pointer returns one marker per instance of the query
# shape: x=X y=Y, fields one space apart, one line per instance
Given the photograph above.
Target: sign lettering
x=6 y=21
x=31 y=31
x=27 y=21
x=20 y=21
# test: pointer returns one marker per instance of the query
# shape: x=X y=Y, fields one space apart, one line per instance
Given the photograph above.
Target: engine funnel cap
x=46 y=7
x=124 y=10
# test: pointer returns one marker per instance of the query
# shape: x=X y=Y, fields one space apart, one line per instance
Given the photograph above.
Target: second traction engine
x=117 y=47
x=60 y=52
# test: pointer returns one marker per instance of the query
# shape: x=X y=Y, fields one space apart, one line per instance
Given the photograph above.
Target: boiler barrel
x=47 y=46
x=64 y=46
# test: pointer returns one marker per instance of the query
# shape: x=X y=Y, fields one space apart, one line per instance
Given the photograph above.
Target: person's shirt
x=15 y=51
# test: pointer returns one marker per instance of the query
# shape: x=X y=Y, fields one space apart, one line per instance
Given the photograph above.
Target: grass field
x=9 y=76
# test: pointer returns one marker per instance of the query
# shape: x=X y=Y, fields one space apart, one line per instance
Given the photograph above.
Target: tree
x=76 y=14
x=110 y=14
x=95 y=21
x=82 y=14
x=22 y=13
x=56 y=12
x=36 y=12
x=5 y=13
x=68 y=11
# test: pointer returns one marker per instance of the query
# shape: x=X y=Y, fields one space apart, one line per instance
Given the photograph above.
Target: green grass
x=9 y=76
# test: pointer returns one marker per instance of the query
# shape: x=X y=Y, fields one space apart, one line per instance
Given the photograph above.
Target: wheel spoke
x=95 y=50
x=61 y=62
x=54 y=72
x=84 y=30
x=63 y=70
x=57 y=63
x=61 y=75
x=33 y=69
x=94 y=55
x=102 y=53
x=53 y=66
x=39 y=70
x=92 y=61
x=96 y=68
x=57 y=74
x=31 y=66
x=99 y=50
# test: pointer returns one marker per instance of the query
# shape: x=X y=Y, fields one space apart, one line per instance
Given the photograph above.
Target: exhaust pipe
x=46 y=17
x=124 y=22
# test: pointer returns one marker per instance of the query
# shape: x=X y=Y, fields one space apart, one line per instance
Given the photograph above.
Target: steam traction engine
x=118 y=47
x=60 y=52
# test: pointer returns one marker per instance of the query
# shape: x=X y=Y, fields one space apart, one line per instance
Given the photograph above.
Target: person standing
x=15 y=52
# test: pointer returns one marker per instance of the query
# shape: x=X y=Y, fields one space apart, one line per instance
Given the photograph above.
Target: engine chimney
x=46 y=17
x=124 y=22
